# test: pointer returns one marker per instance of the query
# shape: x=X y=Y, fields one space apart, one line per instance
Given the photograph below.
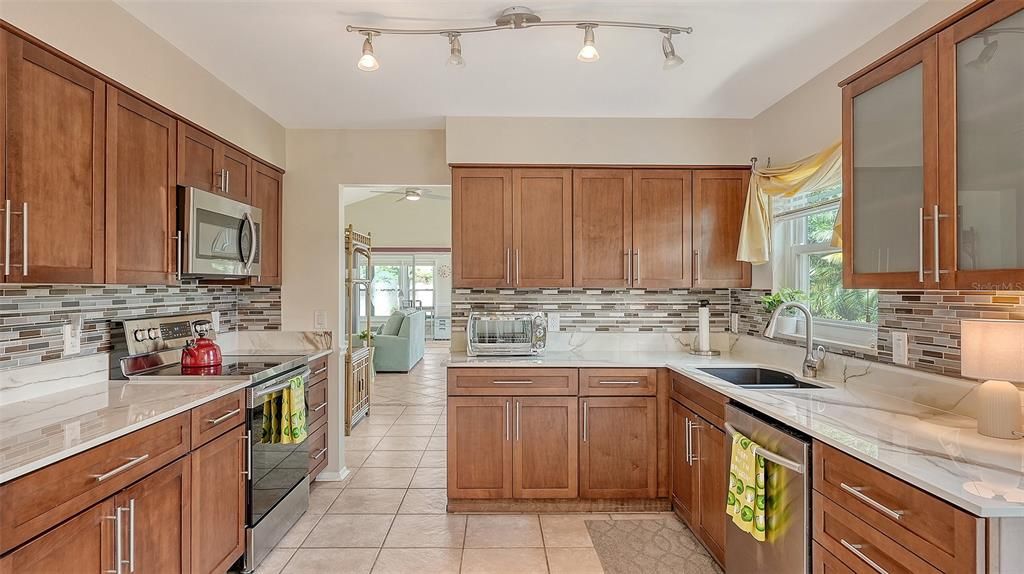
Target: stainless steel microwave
x=217 y=236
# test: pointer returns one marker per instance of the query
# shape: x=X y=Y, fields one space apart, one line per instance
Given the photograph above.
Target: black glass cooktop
x=232 y=366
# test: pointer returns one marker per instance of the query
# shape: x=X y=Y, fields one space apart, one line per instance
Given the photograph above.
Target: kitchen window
x=808 y=261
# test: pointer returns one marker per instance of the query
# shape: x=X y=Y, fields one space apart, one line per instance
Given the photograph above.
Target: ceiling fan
x=411 y=194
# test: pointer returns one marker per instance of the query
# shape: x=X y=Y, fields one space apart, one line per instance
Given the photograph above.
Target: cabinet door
x=542 y=227
x=619 y=447
x=54 y=168
x=683 y=483
x=266 y=195
x=479 y=447
x=218 y=502
x=981 y=149
x=545 y=448
x=708 y=443
x=156 y=533
x=140 y=197
x=481 y=227
x=719 y=198
x=84 y=543
x=662 y=252
x=199 y=159
x=602 y=228
x=890 y=157
x=238 y=173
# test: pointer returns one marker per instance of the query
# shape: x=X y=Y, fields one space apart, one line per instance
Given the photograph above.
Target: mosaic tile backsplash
x=930 y=318
x=600 y=310
x=32 y=316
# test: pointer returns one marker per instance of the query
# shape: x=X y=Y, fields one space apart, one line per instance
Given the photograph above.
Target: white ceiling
x=355 y=193
x=294 y=60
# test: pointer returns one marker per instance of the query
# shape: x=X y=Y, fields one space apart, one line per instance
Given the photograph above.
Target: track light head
x=588 y=53
x=368 y=61
x=455 y=59
x=669 y=50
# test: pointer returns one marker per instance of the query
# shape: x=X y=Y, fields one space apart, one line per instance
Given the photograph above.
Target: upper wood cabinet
x=602 y=201
x=238 y=173
x=719 y=198
x=211 y=165
x=54 y=168
x=140 y=202
x=481 y=227
x=542 y=227
x=267 y=184
x=662 y=207
x=618 y=447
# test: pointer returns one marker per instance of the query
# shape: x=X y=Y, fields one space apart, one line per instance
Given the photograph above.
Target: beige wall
x=424 y=223
x=634 y=141
x=104 y=36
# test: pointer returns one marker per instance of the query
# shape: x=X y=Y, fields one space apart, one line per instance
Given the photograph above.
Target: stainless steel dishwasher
x=787 y=547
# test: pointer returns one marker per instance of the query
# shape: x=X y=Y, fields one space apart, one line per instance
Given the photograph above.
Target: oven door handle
x=275 y=384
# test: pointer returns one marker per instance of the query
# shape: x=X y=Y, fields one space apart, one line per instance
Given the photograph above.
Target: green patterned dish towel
x=746 y=500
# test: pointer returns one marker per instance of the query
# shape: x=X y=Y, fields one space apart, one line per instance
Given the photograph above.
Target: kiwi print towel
x=746 y=500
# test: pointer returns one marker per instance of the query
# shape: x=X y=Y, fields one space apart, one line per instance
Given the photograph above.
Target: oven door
x=221 y=236
x=276 y=467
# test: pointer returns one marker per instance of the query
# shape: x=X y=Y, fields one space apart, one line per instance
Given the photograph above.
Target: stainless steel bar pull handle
x=227 y=177
x=512 y=382
x=629 y=269
x=586 y=409
x=618 y=382
x=508 y=429
x=920 y=245
x=111 y=473
x=131 y=535
x=24 y=239
x=508 y=266
x=248 y=454
x=517 y=267
x=223 y=417
x=321 y=453
x=696 y=265
x=177 y=237
x=689 y=449
x=7 y=237
x=858 y=493
x=856 y=550
x=936 y=217
x=768 y=455
x=517 y=420
x=320 y=407
x=637 y=252
x=118 y=539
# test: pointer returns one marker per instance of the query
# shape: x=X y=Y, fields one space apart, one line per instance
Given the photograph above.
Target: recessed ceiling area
x=295 y=61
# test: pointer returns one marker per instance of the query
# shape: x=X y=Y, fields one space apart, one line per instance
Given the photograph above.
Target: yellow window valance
x=818 y=171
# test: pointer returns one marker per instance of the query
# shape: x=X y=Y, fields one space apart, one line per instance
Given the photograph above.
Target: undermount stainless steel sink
x=757 y=378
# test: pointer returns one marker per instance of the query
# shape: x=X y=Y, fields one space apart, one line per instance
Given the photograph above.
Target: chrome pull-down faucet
x=815 y=358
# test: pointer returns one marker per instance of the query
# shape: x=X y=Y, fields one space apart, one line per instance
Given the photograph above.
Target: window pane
x=828 y=298
x=807 y=199
x=386 y=289
x=425 y=298
x=424 y=277
x=819 y=226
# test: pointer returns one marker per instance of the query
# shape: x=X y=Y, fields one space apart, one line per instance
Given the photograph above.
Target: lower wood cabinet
x=218 y=502
x=479 y=447
x=155 y=531
x=545 y=458
x=683 y=485
x=83 y=544
x=619 y=447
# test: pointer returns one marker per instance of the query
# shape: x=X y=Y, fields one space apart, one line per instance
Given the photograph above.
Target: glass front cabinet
x=933 y=165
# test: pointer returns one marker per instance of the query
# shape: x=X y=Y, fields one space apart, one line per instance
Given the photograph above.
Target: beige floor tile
x=382 y=410
x=333 y=560
x=430 y=478
x=355 y=458
x=410 y=430
x=434 y=459
x=370 y=429
x=418 y=561
x=349 y=531
x=503 y=531
x=298 y=533
x=320 y=484
x=275 y=561
x=423 y=410
x=366 y=443
x=382 y=478
x=403 y=443
x=567 y=531
x=321 y=499
x=425 y=501
x=504 y=561
x=393 y=459
x=641 y=515
x=418 y=419
x=440 y=430
x=438 y=443
x=427 y=531
x=574 y=561
x=381 y=419
x=368 y=501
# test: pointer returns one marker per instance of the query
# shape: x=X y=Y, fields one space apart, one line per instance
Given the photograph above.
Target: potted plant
x=787 y=321
x=365 y=335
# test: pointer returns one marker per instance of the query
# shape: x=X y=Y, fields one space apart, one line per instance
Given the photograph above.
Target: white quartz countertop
x=880 y=415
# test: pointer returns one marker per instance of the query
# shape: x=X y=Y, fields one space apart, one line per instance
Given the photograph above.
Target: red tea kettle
x=201 y=351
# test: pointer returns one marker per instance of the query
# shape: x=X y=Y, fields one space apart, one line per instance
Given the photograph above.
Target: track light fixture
x=521 y=18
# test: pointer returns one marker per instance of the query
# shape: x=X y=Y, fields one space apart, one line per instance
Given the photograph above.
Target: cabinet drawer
x=824 y=562
x=705 y=402
x=318 y=370
x=316 y=402
x=505 y=382
x=35 y=502
x=942 y=534
x=216 y=417
x=858 y=545
x=618 y=382
x=317 y=450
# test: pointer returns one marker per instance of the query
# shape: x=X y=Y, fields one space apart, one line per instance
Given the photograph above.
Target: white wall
x=634 y=141
x=424 y=223
x=106 y=37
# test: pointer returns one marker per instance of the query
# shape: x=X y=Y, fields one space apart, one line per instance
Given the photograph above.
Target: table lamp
x=993 y=351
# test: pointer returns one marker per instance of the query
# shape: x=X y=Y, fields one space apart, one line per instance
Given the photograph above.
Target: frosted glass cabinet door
x=986 y=52
x=889 y=179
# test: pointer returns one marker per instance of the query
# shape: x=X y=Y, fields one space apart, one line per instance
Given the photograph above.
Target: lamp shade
x=992 y=349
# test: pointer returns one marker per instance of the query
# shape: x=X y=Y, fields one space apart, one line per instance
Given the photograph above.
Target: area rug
x=654 y=546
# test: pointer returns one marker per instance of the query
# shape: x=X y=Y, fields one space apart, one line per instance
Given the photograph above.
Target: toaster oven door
x=500 y=336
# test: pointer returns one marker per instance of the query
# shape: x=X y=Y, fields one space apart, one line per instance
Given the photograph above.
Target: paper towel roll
x=703 y=329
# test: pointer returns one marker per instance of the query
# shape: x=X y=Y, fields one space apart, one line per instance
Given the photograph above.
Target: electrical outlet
x=734 y=322
x=73 y=335
x=553 y=322
x=320 y=320
x=899 y=348
x=215 y=315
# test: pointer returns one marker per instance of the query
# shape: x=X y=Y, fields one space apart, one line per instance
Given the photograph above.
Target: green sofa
x=398 y=343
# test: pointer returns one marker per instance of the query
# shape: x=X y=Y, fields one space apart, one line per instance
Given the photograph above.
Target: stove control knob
x=140 y=335
x=153 y=333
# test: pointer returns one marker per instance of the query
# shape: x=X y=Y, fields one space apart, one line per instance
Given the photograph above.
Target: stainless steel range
x=277 y=474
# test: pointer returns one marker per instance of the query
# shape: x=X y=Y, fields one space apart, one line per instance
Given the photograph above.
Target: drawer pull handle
x=319 y=408
x=512 y=382
x=855 y=549
x=223 y=417
x=321 y=453
x=131 y=462
x=856 y=491
x=319 y=371
x=618 y=382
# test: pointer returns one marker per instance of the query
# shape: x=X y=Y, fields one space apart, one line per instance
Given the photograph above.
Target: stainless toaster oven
x=507 y=333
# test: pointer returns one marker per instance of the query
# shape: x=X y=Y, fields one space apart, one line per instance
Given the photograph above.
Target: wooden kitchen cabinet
x=711 y=457
x=54 y=168
x=619 y=447
x=218 y=502
x=602 y=227
x=479 y=447
x=719 y=199
x=481 y=227
x=155 y=512
x=84 y=543
x=545 y=448
x=683 y=483
x=238 y=173
x=209 y=164
x=542 y=227
x=267 y=184
x=140 y=192
x=662 y=235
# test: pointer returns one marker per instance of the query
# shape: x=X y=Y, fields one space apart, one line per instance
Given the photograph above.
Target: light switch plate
x=899 y=348
x=73 y=335
x=734 y=322
x=319 y=320
x=553 y=323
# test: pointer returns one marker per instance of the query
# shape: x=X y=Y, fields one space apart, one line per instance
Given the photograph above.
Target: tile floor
x=389 y=515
